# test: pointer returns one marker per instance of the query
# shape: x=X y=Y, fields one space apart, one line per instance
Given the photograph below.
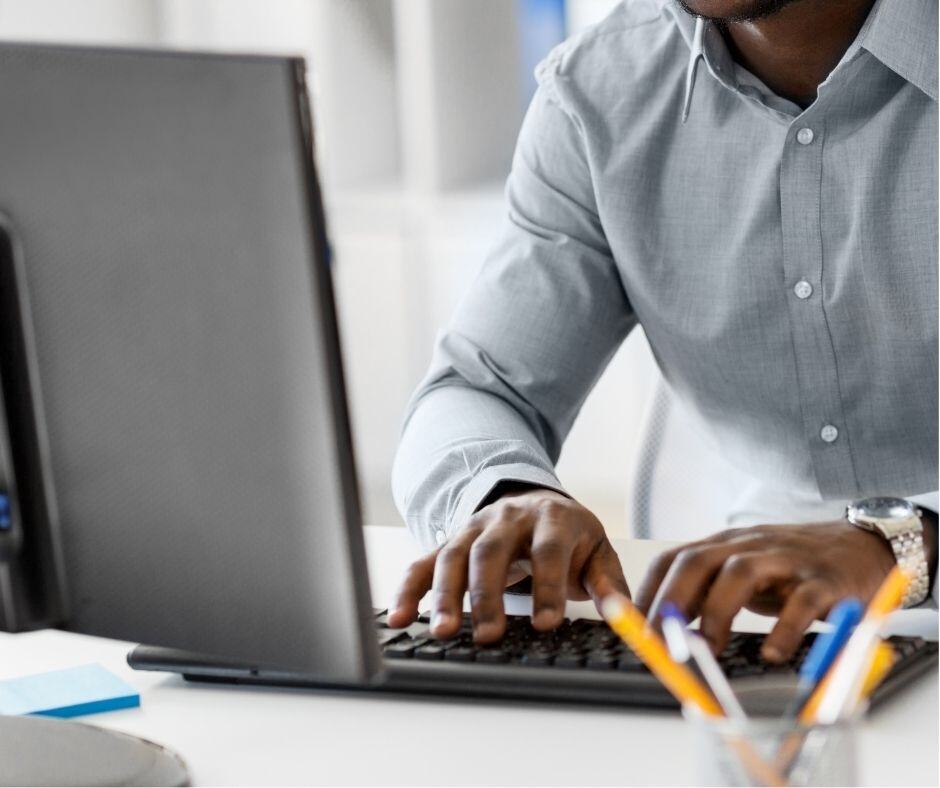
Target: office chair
x=679 y=479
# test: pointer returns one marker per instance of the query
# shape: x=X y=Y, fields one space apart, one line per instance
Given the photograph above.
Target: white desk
x=241 y=736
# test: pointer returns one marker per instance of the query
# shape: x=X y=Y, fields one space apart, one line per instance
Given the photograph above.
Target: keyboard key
x=418 y=630
x=569 y=660
x=908 y=646
x=431 y=651
x=492 y=656
x=403 y=650
x=387 y=636
x=629 y=662
x=629 y=666
x=460 y=654
x=600 y=660
x=540 y=658
x=744 y=671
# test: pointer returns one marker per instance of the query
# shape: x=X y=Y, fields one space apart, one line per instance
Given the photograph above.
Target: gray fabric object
x=786 y=281
x=44 y=751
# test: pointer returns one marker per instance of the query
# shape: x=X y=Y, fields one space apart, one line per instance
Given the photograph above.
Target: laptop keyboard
x=581 y=644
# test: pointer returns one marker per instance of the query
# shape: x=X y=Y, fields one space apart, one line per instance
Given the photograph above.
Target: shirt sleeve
x=528 y=341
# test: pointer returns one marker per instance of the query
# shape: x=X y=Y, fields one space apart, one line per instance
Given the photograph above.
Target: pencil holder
x=770 y=749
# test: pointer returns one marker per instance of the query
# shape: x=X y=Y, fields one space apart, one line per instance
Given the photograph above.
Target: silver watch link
x=899 y=522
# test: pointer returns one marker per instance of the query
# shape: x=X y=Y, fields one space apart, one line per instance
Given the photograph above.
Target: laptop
x=176 y=455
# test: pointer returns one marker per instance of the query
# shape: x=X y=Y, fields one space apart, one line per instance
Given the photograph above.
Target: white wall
x=85 y=21
x=416 y=104
x=579 y=14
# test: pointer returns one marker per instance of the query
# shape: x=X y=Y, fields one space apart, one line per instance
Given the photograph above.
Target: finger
x=552 y=547
x=809 y=601
x=603 y=575
x=416 y=584
x=449 y=584
x=654 y=577
x=740 y=577
x=689 y=577
x=490 y=556
x=660 y=567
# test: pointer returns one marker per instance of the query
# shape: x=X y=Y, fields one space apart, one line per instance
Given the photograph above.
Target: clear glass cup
x=770 y=749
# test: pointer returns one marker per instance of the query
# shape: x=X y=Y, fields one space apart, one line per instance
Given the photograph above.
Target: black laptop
x=175 y=458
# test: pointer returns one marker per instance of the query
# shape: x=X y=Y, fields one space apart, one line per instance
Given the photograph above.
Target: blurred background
x=417 y=104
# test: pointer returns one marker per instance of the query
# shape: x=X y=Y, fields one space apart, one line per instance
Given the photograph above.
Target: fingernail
x=545 y=617
x=484 y=631
x=772 y=654
x=439 y=620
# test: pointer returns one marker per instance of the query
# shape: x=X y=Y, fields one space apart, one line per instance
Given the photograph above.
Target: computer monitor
x=175 y=451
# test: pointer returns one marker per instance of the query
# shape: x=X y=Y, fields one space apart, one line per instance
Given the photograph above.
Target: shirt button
x=805 y=136
x=439 y=537
x=829 y=433
x=803 y=289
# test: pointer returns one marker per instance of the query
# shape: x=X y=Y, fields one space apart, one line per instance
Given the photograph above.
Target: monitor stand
x=32 y=573
x=46 y=751
x=41 y=750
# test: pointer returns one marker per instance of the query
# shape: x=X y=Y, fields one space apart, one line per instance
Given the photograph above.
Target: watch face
x=889 y=516
x=883 y=509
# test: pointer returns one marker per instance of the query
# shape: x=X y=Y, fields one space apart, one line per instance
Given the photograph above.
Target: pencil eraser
x=87 y=689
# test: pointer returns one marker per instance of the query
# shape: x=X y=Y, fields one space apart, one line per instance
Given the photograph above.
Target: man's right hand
x=538 y=532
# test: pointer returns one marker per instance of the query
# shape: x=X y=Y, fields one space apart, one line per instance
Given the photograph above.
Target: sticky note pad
x=87 y=689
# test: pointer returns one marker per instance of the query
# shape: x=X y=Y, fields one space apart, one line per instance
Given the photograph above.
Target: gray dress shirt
x=783 y=263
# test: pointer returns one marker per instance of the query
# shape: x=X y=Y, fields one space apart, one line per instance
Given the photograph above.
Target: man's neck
x=795 y=49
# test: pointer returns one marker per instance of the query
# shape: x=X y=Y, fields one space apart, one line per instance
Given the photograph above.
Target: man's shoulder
x=640 y=43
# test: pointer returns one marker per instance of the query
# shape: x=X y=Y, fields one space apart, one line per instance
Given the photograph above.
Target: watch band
x=901 y=525
x=908 y=547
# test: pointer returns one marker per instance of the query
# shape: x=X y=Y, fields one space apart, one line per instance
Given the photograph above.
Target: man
x=756 y=186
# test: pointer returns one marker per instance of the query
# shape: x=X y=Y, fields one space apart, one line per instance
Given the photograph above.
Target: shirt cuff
x=481 y=485
x=929 y=501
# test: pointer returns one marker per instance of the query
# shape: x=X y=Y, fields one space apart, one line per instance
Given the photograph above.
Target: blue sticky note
x=87 y=689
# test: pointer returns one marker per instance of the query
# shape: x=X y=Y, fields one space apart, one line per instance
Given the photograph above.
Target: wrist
x=876 y=545
x=514 y=489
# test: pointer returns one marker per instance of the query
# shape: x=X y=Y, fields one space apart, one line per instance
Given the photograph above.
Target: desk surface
x=241 y=736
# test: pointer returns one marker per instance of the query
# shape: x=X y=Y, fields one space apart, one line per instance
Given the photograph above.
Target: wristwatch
x=898 y=521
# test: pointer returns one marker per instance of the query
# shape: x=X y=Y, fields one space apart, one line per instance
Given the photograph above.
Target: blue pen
x=843 y=619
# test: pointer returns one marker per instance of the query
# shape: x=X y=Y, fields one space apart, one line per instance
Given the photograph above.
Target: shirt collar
x=900 y=34
x=903 y=36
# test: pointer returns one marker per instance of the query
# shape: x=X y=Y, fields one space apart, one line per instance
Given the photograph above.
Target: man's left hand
x=797 y=572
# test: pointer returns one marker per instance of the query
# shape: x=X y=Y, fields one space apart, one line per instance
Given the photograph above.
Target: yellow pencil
x=628 y=622
x=889 y=595
x=885 y=658
x=882 y=661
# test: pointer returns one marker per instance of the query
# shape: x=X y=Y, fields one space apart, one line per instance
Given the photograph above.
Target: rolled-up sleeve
x=528 y=341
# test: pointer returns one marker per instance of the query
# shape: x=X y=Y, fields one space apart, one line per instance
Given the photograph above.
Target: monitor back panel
x=168 y=215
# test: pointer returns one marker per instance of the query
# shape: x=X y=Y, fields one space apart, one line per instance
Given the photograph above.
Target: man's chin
x=733 y=10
